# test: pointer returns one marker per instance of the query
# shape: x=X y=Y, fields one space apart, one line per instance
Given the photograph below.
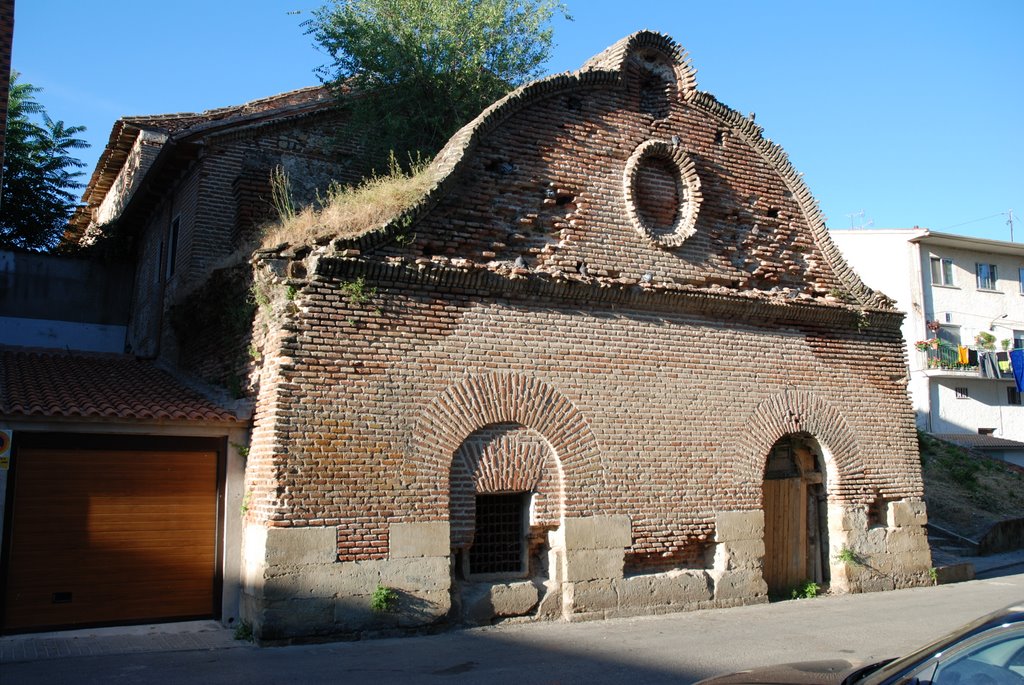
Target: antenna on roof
x=1010 y=222
x=860 y=215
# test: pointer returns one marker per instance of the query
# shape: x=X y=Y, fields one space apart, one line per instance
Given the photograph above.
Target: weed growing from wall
x=383 y=599
x=357 y=291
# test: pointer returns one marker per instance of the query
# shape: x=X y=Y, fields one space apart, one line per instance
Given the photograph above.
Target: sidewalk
x=163 y=637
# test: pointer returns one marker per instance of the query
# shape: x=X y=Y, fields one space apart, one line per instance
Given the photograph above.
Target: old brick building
x=610 y=364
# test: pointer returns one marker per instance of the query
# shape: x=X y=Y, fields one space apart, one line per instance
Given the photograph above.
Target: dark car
x=988 y=651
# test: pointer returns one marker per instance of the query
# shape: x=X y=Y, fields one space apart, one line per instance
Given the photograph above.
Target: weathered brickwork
x=627 y=341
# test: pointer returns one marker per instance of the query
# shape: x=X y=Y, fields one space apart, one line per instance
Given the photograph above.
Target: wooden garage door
x=111 y=537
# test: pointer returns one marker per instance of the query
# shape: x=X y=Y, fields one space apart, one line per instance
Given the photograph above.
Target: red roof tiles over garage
x=59 y=384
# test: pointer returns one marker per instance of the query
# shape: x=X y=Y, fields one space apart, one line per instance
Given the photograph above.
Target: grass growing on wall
x=348 y=211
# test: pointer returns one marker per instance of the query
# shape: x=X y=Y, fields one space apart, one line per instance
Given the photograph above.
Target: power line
x=974 y=221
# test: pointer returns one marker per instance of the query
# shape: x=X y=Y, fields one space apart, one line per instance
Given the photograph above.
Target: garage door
x=111 y=537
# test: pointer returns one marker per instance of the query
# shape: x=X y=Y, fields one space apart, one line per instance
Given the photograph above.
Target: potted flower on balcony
x=985 y=341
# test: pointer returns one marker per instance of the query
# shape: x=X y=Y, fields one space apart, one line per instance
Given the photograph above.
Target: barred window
x=499 y=541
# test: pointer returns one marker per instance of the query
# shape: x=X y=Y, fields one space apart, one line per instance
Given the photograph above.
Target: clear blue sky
x=910 y=112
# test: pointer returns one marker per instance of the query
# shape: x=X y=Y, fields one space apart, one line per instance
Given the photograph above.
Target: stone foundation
x=295 y=588
x=881 y=557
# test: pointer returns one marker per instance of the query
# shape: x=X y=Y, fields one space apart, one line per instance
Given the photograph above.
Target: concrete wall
x=57 y=302
x=985 y=407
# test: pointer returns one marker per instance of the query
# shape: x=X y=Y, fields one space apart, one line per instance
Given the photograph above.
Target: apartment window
x=1020 y=278
x=172 y=246
x=1018 y=340
x=986 y=276
x=962 y=394
x=950 y=334
x=942 y=271
x=1012 y=395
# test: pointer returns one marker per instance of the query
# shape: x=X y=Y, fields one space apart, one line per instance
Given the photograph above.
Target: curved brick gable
x=533 y=185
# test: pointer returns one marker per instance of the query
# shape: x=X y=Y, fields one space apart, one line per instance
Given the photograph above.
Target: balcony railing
x=949 y=357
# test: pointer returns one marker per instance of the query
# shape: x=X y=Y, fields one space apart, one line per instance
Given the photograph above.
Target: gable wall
x=547 y=185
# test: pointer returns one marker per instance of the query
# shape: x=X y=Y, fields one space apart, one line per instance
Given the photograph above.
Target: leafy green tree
x=423 y=68
x=40 y=173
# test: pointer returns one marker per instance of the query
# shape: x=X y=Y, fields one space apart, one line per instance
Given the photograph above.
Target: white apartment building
x=967 y=293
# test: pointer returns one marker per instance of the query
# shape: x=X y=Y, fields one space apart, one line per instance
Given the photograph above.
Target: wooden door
x=785 y=534
x=111 y=537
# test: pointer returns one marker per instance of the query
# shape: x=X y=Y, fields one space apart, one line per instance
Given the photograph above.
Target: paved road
x=677 y=648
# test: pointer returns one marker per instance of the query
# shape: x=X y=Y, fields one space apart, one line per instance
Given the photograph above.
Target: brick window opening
x=962 y=393
x=499 y=540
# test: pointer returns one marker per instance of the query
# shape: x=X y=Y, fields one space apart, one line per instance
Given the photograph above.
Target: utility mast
x=1010 y=222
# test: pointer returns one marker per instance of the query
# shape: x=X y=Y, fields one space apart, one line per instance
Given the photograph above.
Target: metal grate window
x=498 y=542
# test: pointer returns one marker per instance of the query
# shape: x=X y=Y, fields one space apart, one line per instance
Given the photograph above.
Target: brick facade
x=616 y=300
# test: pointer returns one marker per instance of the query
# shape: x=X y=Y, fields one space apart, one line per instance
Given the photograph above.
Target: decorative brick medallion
x=662 y=192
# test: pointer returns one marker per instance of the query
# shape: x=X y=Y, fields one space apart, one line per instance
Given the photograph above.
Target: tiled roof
x=979 y=442
x=55 y=384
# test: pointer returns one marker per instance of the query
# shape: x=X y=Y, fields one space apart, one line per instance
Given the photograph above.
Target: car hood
x=802 y=673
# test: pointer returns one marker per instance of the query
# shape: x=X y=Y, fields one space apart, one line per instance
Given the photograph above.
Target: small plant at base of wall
x=243 y=631
x=383 y=599
x=805 y=590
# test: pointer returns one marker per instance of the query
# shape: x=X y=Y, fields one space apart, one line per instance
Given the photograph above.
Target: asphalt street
x=674 y=648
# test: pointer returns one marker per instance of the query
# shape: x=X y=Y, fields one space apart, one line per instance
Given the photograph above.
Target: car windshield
x=918 y=657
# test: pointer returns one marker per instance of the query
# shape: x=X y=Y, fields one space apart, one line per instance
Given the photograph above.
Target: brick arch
x=500 y=458
x=505 y=398
x=795 y=411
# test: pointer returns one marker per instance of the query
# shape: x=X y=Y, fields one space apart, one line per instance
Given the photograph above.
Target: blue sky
x=898 y=113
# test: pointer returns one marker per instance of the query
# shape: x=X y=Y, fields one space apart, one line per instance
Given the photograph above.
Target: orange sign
x=5 y=449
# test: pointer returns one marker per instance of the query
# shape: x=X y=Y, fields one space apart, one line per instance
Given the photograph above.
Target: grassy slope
x=967 y=493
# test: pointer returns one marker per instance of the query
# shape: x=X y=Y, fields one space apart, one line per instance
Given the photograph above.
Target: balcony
x=945 y=359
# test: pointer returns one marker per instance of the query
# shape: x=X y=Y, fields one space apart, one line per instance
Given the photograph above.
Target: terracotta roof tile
x=979 y=442
x=59 y=384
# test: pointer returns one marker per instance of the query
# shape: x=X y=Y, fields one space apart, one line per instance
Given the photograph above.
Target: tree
x=423 y=68
x=40 y=173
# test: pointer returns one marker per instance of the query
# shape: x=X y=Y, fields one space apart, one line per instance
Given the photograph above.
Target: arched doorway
x=505 y=497
x=795 y=504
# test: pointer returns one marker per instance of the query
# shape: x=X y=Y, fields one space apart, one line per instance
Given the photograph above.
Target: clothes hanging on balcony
x=987 y=365
x=1017 y=362
x=962 y=355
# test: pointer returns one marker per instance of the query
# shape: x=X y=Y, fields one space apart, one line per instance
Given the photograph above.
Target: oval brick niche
x=662 y=193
